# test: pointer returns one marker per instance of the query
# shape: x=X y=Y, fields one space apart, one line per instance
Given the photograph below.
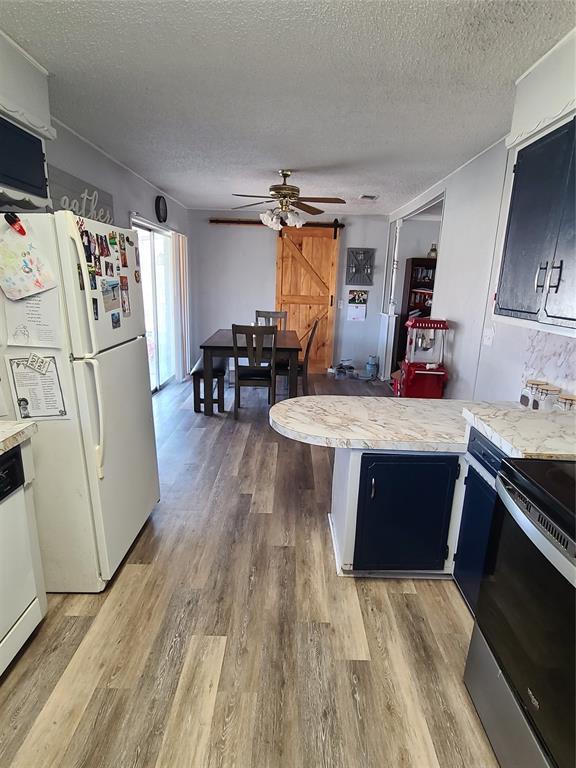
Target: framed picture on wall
x=360 y=266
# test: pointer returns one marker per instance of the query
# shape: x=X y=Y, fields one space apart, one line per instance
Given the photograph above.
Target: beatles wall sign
x=69 y=193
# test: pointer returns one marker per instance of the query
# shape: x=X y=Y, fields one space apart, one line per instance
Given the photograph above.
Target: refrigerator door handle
x=87 y=293
x=99 y=448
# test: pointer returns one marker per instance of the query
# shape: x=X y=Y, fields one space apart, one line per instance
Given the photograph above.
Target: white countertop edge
x=368 y=445
x=476 y=421
x=13 y=433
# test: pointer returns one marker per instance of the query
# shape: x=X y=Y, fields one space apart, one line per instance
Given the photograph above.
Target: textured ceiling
x=209 y=97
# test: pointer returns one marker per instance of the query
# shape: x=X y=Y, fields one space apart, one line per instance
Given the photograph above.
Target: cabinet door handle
x=537 y=285
x=372 y=488
x=559 y=267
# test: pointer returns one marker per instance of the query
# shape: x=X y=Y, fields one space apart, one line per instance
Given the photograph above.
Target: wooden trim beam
x=257 y=223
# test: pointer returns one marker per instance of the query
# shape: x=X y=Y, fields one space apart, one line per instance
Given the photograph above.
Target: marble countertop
x=412 y=424
x=521 y=433
x=13 y=433
x=377 y=423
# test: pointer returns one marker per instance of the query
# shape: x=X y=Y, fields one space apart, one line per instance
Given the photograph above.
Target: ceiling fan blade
x=235 y=194
x=307 y=208
x=322 y=199
x=259 y=202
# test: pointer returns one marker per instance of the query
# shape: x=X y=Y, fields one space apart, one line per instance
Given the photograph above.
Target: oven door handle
x=561 y=563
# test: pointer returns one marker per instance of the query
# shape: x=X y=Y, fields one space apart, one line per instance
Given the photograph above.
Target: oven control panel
x=553 y=533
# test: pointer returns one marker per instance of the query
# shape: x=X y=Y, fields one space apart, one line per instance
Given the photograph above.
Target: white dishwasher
x=20 y=610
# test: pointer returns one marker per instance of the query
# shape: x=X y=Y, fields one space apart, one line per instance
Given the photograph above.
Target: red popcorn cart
x=422 y=373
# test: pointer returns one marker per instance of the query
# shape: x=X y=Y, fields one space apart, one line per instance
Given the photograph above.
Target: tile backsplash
x=552 y=358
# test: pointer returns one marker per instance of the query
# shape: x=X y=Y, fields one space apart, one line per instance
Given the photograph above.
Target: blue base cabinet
x=477 y=511
x=404 y=507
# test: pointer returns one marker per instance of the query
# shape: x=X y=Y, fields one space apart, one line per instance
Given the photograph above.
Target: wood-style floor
x=227 y=639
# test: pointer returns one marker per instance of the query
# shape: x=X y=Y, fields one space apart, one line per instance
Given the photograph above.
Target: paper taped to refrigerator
x=23 y=272
x=36 y=395
x=34 y=321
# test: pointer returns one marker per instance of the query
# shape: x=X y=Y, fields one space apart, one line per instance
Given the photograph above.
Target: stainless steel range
x=520 y=670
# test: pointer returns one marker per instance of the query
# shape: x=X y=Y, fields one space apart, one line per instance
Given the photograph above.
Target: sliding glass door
x=164 y=280
x=157 y=272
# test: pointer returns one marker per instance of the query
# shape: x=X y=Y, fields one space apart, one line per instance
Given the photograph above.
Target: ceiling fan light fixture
x=276 y=218
x=277 y=222
x=287 y=198
x=272 y=219
x=266 y=218
x=294 y=219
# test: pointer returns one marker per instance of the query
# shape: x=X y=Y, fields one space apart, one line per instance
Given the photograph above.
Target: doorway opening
x=415 y=239
x=158 y=289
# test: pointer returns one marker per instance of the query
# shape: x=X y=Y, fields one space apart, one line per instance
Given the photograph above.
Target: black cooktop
x=550 y=485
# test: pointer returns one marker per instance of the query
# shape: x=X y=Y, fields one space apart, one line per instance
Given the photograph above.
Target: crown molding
x=545 y=122
x=570 y=36
x=25 y=119
x=25 y=54
x=22 y=200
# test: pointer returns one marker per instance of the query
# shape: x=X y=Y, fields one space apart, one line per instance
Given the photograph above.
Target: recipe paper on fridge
x=34 y=321
x=36 y=391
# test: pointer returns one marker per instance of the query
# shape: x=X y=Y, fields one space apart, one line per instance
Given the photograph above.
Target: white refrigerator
x=95 y=453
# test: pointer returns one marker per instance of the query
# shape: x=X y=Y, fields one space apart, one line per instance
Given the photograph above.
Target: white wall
x=357 y=340
x=514 y=351
x=517 y=354
x=466 y=247
x=131 y=193
x=466 y=280
x=240 y=261
x=490 y=358
x=233 y=272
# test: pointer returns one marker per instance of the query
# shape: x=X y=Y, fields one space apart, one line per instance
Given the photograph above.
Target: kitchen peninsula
x=399 y=469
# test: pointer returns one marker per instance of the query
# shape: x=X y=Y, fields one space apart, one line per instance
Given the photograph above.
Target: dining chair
x=279 y=318
x=270 y=317
x=282 y=367
x=257 y=345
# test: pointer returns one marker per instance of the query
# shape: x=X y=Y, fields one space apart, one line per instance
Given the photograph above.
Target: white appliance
x=96 y=469
x=22 y=595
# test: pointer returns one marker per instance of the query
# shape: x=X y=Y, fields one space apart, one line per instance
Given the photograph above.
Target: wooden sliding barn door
x=306 y=270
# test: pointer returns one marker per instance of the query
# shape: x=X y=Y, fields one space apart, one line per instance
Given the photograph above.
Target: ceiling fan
x=287 y=196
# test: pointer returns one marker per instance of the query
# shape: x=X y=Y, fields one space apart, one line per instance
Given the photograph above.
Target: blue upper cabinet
x=538 y=272
x=22 y=160
x=404 y=507
x=560 y=298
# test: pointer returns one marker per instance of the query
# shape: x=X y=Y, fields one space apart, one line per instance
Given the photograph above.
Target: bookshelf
x=417 y=294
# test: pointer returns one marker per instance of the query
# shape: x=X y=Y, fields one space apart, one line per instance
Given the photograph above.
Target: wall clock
x=161 y=208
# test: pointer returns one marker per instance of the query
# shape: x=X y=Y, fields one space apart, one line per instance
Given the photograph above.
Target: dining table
x=220 y=344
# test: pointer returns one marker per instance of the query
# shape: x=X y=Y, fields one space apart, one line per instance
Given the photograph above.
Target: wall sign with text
x=69 y=193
